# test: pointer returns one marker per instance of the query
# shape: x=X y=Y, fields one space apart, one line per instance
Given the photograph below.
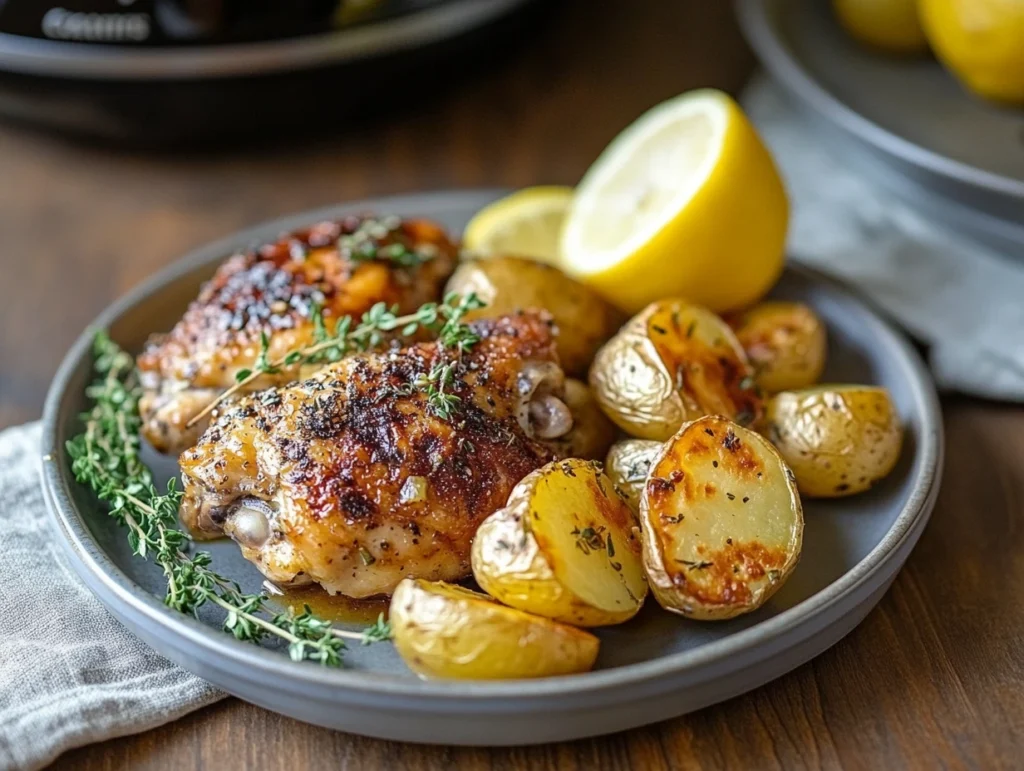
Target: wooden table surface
x=933 y=678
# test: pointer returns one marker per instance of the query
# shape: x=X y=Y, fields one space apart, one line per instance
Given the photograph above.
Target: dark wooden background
x=933 y=678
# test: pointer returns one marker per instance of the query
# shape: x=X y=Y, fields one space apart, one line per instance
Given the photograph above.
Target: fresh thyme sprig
x=444 y=319
x=440 y=401
x=379 y=631
x=363 y=244
x=105 y=456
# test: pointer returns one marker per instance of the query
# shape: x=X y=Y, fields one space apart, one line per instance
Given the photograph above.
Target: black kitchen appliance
x=171 y=71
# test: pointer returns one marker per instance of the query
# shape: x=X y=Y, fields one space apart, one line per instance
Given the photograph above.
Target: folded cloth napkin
x=959 y=297
x=69 y=673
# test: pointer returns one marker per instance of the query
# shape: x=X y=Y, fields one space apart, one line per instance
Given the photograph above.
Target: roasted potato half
x=722 y=521
x=627 y=465
x=443 y=630
x=838 y=439
x=785 y=342
x=565 y=547
x=592 y=433
x=671 y=363
x=508 y=284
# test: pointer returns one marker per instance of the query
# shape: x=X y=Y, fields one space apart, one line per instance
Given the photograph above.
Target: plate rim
x=93 y=564
x=777 y=58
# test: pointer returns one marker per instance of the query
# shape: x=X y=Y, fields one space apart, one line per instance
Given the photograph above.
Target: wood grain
x=85 y=224
x=933 y=678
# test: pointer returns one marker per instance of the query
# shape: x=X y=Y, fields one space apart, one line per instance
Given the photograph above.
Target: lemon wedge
x=686 y=202
x=527 y=223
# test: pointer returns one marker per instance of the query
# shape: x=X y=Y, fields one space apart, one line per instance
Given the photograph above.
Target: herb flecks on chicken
x=271 y=293
x=355 y=478
x=444 y=320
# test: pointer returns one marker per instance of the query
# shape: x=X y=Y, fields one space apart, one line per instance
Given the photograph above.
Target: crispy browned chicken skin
x=351 y=480
x=345 y=266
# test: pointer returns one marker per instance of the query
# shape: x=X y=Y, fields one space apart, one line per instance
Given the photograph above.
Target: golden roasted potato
x=508 y=284
x=785 y=343
x=565 y=547
x=627 y=465
x=722 y=521
x=443 y=630
x=592 y=433
x=671 y=363
x=838 y=439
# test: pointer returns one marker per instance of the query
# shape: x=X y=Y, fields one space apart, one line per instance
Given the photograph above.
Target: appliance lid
x=190 y=39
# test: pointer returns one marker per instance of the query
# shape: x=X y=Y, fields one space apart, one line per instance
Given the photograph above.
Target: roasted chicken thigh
x=354 y=479
x=345 y=267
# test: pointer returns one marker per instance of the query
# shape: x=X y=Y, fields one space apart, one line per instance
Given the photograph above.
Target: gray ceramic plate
x=917 y=129
x=654 y=667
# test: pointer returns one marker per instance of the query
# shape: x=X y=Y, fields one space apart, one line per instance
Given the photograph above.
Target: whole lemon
x=982 y=42
x=891 y=25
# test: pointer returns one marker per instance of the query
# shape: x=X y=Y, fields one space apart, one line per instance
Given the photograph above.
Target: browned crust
x=269 y=289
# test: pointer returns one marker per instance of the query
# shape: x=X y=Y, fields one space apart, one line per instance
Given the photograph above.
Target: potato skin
x=527 y=555
x=786 y=343
x=671 y=363
x=443 y=630
x=838 y=439
x=627 y=465
x=721 y=520
x=508 y=284
x=592 y=433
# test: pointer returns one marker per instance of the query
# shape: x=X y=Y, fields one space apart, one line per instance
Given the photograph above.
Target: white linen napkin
x=959 y=297
x=69 y=673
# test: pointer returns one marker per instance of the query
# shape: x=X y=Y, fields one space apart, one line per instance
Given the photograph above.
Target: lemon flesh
x=891 y=25
x=686 y=202
x=981 y=42
x=527 y=223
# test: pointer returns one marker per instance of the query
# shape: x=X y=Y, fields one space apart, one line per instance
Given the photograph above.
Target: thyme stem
x=445 y=319
x=105 y=457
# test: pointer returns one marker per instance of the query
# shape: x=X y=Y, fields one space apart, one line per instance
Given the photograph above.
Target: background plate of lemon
x=927 y=95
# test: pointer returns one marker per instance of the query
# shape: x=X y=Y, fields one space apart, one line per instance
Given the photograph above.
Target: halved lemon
x=527 y=223
x=686 y=202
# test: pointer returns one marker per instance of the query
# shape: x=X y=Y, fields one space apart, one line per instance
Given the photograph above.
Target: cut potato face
x=838 y=439
x=722 y=521
x=592 y=433
x=509 y=284
x=785 y=342
x=627 y=465
x=565 y=547
x=671 y=363
x=443 y=630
